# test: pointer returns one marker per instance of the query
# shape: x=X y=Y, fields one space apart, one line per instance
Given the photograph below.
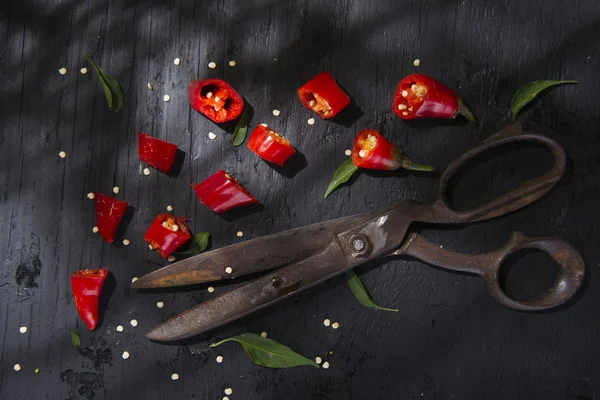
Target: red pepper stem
x=407 y=163
x=464 y=111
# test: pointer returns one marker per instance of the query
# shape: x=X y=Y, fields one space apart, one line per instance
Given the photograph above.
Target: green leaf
x=360 y=292
x=198 y=245
x=239 y=135
x=343 y=173
x=528 y=92
x=75 y=340
x=37 y=370
x=268 y=352
x=112 y=89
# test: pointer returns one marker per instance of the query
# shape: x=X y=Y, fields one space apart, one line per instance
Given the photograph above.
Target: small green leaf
x=198 y=245
x=75 y=340
x=112 y=89
x=343 y=173
x=360 y=292
x=239 y=135
x=528 y=92
x=268 y=352
x=37 y=370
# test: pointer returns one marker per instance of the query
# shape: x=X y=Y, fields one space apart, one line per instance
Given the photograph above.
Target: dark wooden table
x=449 y=340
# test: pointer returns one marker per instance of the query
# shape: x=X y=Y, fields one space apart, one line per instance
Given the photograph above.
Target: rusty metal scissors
x=318 y=252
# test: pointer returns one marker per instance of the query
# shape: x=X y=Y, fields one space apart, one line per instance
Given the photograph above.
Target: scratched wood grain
x=449 y=340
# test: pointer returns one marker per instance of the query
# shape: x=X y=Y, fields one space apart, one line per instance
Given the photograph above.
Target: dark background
x=450 y=340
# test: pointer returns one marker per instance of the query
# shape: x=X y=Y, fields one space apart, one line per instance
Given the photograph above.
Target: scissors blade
x=254 y=255
x=257 y=294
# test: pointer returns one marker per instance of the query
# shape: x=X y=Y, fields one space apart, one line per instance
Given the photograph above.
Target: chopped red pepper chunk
x=372 y=151
x=420 y=96
x=158 y=153
x=221 y=192
x=167 y=233
x=109 y=212
x=323 y=95
x=215 y=99
x=87 y=285
x=270 y=145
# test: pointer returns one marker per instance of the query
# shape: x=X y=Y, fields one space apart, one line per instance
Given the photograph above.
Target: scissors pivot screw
x=360 y=245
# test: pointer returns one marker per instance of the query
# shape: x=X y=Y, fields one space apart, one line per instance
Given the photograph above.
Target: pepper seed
x=276 y=113
x=83 y=70
x=240 y=234
x=211 y=289
x=229 y=270
x=125 y=355
x=212 y=136
x=62 y=71
x=311 y=121
x=91 y=196
x=232 y=63
x=166 y=97
x=212 y=65
x=228 y=391
x=62 y=154
x=17 y=367
x=177 y=61
x=133 y=322
x=327 y=322
x=169 y=208
x=417 y=62
x=325 y=364
x=348 y=152
x=171 y=258
x=120 y=328
x=263 y=334
x=318 y=360
x=126 y=242
x=95 y=229
x=116 y=190
x=175 y=376
x=23 y=329
x=146 y=171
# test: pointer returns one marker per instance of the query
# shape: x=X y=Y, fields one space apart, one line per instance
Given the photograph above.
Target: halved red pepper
x=420 y=96
x=215 y=99
x=167 y=233
x=109 y=212
x=221 y=192
x=270 y=145
x=323 y=95
x=158 y=153
x=87 y=285
x=372 y=151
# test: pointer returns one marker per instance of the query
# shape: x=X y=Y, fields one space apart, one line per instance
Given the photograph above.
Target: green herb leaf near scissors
x=239 y=135
x=112 y=89
x=343 y=173
x=268 y=352
x=75 y=340
x=198 y=245
x=360 y=292
x=527 y=93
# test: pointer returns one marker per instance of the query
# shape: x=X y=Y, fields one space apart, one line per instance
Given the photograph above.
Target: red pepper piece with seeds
x=216 y=100
x=323 y=95
x=221 y=192
x=109 y=212
x=87 y=285
x=372 y=151
x=420 y=96
x=270 y=145
x=167 y=233
x=157 y=153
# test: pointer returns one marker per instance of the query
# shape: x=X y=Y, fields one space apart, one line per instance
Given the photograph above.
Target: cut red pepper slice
x=87 y=285
x=372 y=151
x=270 y=145
x=215 y=99
x=158 y=153
x=167 y=233
x=221 y=192
x=109 y=212
x=420 y=96
x=323 y=95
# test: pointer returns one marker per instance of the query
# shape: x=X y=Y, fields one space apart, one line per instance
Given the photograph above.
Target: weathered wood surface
x=449 y=340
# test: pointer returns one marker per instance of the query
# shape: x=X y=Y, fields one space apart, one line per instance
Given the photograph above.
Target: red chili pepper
x=221 y=192
x=372 y=151
x=167 y=233
x=419 y=96
x=216 y=99
x=323 y=95
x=87 y=285
x=156 y=152
x=269 y=145
x=109 y=212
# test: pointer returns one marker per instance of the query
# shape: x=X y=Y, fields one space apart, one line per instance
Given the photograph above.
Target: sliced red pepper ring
x=323 y=95
x=420 y=96
x=270 y=145
x=372 y=151
x=87 y=285
x=215 y=99
x=109 y=212
x=167 y=233
x=221 y=192
x=157 y=153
